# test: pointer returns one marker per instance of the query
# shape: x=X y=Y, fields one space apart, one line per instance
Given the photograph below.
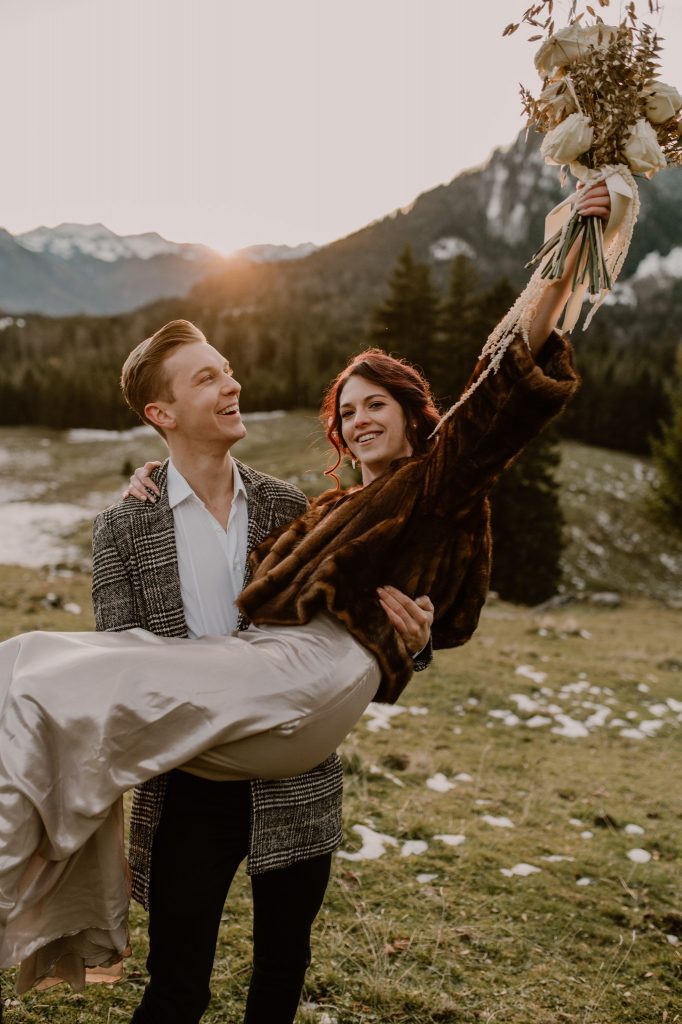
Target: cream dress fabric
x=86 y=716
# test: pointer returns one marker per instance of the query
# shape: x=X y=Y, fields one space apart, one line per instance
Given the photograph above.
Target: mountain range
x=87 y=268
x=494 y=214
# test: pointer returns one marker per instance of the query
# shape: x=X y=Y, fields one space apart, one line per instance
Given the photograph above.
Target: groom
x=175 y=567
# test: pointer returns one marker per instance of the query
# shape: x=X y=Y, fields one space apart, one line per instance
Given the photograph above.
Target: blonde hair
x=143 y=377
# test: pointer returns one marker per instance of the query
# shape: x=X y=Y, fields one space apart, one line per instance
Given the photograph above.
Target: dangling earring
x=354 y=463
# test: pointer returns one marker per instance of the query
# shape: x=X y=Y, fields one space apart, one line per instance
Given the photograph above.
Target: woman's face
x=372 y=426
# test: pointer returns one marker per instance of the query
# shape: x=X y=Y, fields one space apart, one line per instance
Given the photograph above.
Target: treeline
x=288 y=334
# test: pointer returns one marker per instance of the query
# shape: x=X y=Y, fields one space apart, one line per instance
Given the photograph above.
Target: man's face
x=205 y=404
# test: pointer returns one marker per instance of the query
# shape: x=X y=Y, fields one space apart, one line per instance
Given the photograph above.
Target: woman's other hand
x=411 y=618
x=141 y=485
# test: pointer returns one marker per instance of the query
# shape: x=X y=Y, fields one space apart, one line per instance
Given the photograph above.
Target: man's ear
x=160 y=416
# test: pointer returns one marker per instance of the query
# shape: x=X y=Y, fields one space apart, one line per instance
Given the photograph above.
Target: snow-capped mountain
x=98 y=241
x=87 y=268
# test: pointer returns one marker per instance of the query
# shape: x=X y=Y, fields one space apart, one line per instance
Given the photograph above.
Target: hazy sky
x=232 y=122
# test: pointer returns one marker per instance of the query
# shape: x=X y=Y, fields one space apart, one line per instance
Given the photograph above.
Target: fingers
x=593 y=202
x=141 y=485
x=411 y=618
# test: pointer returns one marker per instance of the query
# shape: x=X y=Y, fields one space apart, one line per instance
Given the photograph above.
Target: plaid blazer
x=135 y=583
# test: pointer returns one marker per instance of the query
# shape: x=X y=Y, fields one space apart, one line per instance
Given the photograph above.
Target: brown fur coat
x=423 y=527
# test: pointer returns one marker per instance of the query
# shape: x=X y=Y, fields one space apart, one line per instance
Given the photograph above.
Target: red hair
x=402 y=381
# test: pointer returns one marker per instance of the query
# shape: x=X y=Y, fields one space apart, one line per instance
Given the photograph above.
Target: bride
x=87 y=716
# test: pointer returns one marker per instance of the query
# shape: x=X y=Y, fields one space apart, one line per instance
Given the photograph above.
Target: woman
x=420 y=521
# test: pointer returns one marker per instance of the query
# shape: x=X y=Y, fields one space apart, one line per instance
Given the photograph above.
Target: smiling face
x=204 y=407
x=373 y=426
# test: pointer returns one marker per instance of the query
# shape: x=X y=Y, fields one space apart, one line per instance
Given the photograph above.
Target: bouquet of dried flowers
x=604 y=114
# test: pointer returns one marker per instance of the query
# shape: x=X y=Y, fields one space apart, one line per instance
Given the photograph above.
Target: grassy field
x=551 y=740
x=432 y=930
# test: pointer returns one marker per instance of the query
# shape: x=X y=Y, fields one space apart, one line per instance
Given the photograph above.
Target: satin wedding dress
x=87 y=716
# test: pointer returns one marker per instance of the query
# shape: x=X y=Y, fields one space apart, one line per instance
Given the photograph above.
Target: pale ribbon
x=617 y=233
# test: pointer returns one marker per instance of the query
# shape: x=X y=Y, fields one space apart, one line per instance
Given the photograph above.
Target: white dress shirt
x=211 y=560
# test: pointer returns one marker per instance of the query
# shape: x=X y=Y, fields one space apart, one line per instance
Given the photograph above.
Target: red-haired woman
x=276 y=700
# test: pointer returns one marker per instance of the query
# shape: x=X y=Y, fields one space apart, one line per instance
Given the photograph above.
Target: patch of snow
x=634 y=830
x=425 y=878
x=569 y=727
x=88 y=435
x=537 y=721
x=576 y=821
x=584 y=881
x=557 y=858
x=497 y=822
x=520 y=869
x=632 y=734
x=31 y=534
x=650 y=726
x=659 y=710
x=673 y=940
x=655 y=265
x=638 y=856
x=494 y=210
x=10 y=321
x=528 y=672
x=587 y=834
x=439 y=784
x=622 y=294
x=598 y=718
x=413 y=847
x=417 y=710
x=463 y=777
x=447 y=248
x=669 y=562
x=524 y=703
x=373 y=844
x=451 y=840
x=380 y=715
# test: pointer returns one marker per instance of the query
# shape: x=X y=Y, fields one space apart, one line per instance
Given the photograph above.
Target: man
x=175 y=567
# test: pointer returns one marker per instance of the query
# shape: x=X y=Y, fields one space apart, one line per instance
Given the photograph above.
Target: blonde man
x=174 y=565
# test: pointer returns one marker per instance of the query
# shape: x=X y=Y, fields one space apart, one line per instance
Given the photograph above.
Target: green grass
x=472 y=945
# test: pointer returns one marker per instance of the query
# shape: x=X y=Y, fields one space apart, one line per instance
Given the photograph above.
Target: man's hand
x=411 y=619
x=141 y=485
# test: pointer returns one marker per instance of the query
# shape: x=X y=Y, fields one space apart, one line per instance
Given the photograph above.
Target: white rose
x=570 y=44
x=557 y=100
x=642 y=151
x=568 y=140
x=662 y=102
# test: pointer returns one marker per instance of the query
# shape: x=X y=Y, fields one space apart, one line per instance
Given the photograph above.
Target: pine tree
x=527 y=525
x=527 y=521
x=461 y=339
x=666 y=497
x=406 y=323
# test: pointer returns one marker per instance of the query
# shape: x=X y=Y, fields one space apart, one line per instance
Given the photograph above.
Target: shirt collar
x=179 y=489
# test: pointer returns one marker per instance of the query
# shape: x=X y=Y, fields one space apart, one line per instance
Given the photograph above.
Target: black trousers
x=201 y=840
